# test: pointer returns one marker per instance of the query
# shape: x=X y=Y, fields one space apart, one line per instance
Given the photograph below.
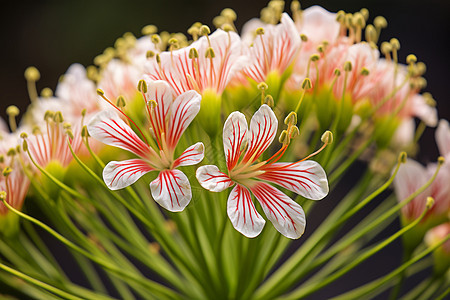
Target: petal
x=108 y=128
x=234 y=137
x=242 y=212
x=410 y=177
x=443 y=138
x=212 y=179
x=286 y=215
x=162 y=93
x=263 y=128
x=184 y=109
x=120 y=174
x=172 y=190
x=191 y=156
x=423 y=111
x=306 y=178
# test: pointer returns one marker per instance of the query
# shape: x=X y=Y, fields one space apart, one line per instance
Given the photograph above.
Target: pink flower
x=185 y=72
x=272 y=51
x=242 y=148
x=413 y=175
x=168 y=117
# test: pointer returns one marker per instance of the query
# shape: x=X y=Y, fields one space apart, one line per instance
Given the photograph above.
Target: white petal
x=306 y=178
x=162 y=93
x=172 y=190
x=286 y=215
x=263 y=128
x=212 y=179
x=423 y=111
x=108 y=128
x=234 y=137
x=242 y=212
x=184 y=109
x=191 y=156
x=120 y=174
x=443 y=138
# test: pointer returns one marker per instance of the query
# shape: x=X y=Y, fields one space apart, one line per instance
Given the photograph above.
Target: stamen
x=46 y=93
x=32 y=75
x=260 y=33
x=379 y=23
x=12 y=111
x=327 y=138
x=262 y=86
x=149 y=30
x=306 y=85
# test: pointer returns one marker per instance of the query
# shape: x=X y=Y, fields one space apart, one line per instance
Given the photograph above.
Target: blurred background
x=53 y=34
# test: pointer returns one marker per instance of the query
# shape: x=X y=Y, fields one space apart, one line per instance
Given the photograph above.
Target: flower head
x=168 y=118
x=243 y=147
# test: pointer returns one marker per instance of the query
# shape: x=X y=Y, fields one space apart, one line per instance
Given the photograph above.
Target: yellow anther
x=58 y=117
x=46 y=92
x=204 y=30
x=402 y=157
x=284 y=137
x=306 y=84
x=291 y=119
x=100 y=92
x=348 y=20
x=142 y=86
x=156 y=39
x=327 y=137
x=315 y=57
x=380 y=22
x=295 y=6
x=365 y=13
x=32 y=74
x=268 y=100
x=395 y=44
x=321 y=48
x=69 y=133
x=386 y=48
x=359 y=20
x=193 y=53
x=260 y=31
x=12 y=111
x=347 y=66
x=152 y=103
x=11 y=152
x=429 y=100
x=218 y=21
x=441 y=160
x=340 y=16
x=120 y=102
x=23 y=135
x=365 y=71
x=149 y=29
x=84 y=131
x=421 y=68
x=7 y=171
x=337 y=72
x=430 y=202
x=294 y=132
x=150 y=54
x=227 y=27
x=262 y=86
x=92 y=73
x=25 y=145
x=67 y=126
x=411 y=59
x=2 y=158
x=303 y=37
x=36 y=130
x=2 y=195
x=229 y=14
x=210 y=53
x=371 y=33
x=48 y=115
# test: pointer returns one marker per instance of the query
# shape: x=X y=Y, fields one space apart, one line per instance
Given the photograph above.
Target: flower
x=243 y=147
x=168 y=118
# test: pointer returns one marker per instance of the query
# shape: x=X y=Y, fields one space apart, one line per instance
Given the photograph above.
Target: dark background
x=52 y=35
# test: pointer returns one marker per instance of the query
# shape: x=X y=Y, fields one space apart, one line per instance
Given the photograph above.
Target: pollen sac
x=269 y=101
x=32 y=74
x=142 y=86
x=291 y=119
x=294 y=132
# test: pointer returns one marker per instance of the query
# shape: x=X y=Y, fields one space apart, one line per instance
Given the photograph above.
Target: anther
x=204 y=30
x=32 y=74
x=46 y=92
x=12 y=111
x=284 y=137
x=430 y=202
x=210 y=53
x=11 y=152
x=303 y=37
x=156 y=39
x=441 y=160
x=229 y=14
x=365 y=13
x=83 y=112
x=2 y=158
x=365 y=71
x=120 y=102
x=295 y=6
x=23 y=135
x=411 y=59
x=262 y=86
x=227 y=27
x=268 y=100
x=340 y=16
x=395 y=44
x=84 y=131
x=25 y=145
x=347 y=66
x=6 y=171
x=291 y=119
x=429 y=100
x=2 y=195
x=337 y=72
x=193 y=53
x=306 y=84
x=149 y=29
x=359 y=20
x=314 y=57
x=58 y=117
x=142 y=86
x=327 y=137
x=48 y=115
x=150 y=54
x=260 y=31
x=371 y=33
x=380 y=22
x=100 y=92
x=36 y=130
x=402 y=157
x=386 y=48
x=294 y=132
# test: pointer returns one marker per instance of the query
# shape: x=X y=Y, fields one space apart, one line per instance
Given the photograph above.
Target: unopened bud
x=142 y=86
x=32 y=74
x=291 y=118
x=327 y=137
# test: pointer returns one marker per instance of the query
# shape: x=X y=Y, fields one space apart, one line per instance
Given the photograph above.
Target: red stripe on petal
x=172 y=190
x=120 y=174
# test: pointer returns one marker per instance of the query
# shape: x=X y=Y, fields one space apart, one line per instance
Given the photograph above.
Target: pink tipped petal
x=306 y=178
x=184 y=109
x=423 y=111
x=108 y=128
x=263 y=128
x=234 y=137
x=161 y=92
x=242 y=212
x=172 y=190
x=286 y=215
x=191 y=156
x=212 y=179
x=443 y=138
x=319 y=25
x=120 y=174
